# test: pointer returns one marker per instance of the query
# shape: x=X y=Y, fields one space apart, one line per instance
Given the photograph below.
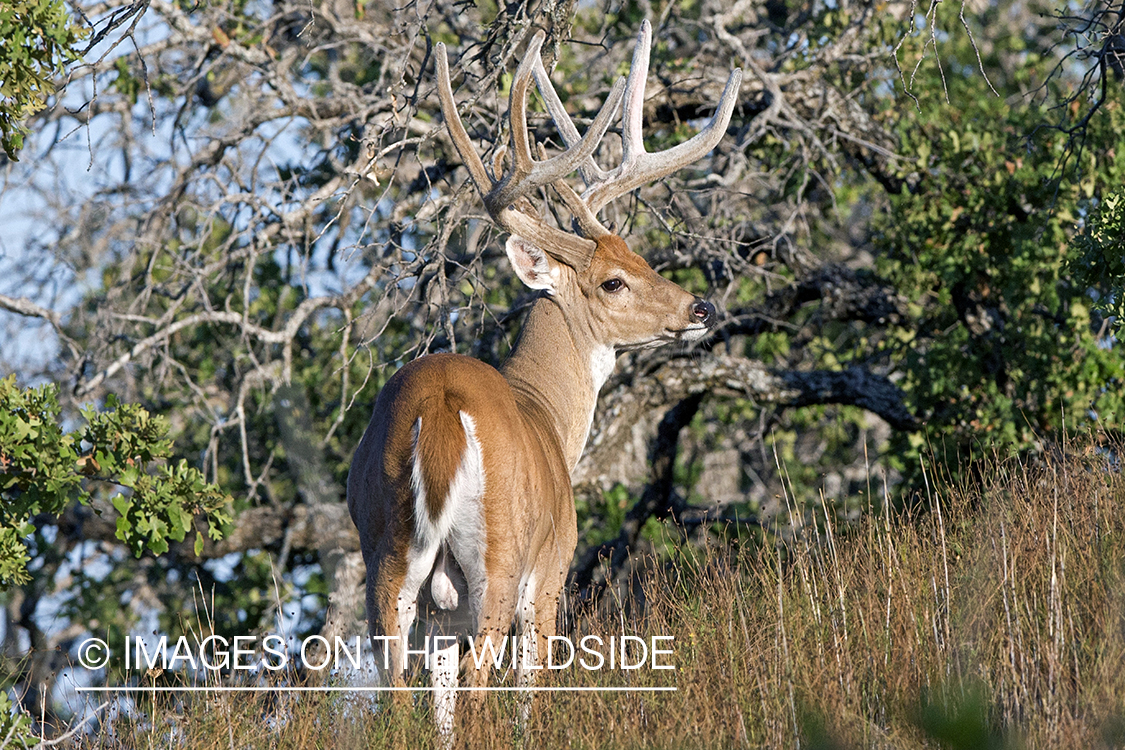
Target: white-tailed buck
x=460 y=487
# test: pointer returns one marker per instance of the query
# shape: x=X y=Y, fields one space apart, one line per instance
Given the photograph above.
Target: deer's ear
x=534 y=267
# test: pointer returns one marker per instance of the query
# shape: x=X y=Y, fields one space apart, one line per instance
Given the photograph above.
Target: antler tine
x=528 y=175
x=632 y=113
x=457 y=132
x=639 y=167
x=590 y=171
x=585 y=219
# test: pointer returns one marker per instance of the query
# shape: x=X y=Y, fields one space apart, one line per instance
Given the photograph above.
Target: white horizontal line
x=253 y=689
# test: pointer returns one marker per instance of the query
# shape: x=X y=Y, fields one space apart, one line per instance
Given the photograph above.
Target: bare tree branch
x=636 y=396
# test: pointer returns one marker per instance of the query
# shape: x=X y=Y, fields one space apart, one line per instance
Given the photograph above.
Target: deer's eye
x=613 y=285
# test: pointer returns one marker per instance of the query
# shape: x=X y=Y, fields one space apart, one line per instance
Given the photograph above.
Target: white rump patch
x=458 y=533
x=467 y=488
x=462 y=521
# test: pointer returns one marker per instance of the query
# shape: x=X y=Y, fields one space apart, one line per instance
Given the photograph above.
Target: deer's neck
x=558 y=366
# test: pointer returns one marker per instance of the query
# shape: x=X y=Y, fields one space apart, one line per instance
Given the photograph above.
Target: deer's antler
x=637 y=167
x=506 y=198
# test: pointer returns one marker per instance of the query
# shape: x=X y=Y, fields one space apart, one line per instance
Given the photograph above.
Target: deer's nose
x=704 y=311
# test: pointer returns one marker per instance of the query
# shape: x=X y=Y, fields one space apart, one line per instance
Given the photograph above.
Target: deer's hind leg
x=394 y=577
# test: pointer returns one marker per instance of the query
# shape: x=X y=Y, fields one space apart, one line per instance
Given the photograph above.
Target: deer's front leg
x=444 y=667
x=528 y=664
x=491 y=648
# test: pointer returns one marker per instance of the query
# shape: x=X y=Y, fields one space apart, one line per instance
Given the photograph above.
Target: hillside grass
x=986 y=616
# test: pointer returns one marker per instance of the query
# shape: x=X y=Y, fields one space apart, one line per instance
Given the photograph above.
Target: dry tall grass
x=989 y=616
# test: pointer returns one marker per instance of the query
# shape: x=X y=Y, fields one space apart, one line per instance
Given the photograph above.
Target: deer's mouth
x=668 y=336
x=689 y=333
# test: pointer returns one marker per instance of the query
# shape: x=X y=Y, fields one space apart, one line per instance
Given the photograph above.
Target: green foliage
x=37 y=39
x=15 y=725
x=125 y=82
x=43 y=470
x=957 y=716
x=1002 y=347
x=243 y=588
x=1098 y=260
